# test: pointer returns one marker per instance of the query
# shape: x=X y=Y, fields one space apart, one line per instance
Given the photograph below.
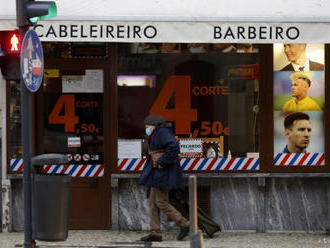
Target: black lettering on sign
x=73 y=31
x=292 y=33
x=262 y=32
x=279 y=31
x=120 y=31
x=240 y=32
x=82 y=32
x=63 y=31
x=93 y=30
x=137 y=31
x=217 y=32
x=150 y=32
x=109 y=31
x=51 y=31
x=255 y=33
x=252 y=33
x=38 y=26
x=229 y=32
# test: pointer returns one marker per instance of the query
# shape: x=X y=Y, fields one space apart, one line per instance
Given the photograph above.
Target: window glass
x=15 y=121
x=208 y=92
x=72 y=111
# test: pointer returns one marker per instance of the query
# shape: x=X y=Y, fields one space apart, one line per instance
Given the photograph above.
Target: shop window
x=76 y=50
x=299 y=104
x=14 y=140
x=72 y=110
x=15 y=119
x=208 y=92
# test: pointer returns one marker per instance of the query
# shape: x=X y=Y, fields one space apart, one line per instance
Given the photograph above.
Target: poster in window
x=299 y=88
x=298 y=91
x=298 y=57
x=302 y=134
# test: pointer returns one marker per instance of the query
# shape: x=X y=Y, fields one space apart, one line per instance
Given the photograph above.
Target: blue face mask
x=148 y=131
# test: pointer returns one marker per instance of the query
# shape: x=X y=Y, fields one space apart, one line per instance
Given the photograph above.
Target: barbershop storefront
x=247 y=102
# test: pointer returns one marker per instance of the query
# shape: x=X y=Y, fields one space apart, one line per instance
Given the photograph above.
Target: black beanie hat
x=154 y=120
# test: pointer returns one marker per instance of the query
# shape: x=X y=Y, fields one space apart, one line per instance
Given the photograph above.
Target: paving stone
x=130 y=239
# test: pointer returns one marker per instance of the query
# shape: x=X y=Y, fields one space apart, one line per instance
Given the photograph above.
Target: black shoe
x=183 y=233
x=151 y=237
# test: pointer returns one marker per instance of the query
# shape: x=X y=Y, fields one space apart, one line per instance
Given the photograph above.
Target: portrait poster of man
x=298 y=57
x=298 y=132
x=298 y=91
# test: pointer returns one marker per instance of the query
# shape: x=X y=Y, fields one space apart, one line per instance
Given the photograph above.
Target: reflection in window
x=15 y=121
x=209 y=94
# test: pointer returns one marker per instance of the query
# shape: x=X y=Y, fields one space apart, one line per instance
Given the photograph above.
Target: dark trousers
x=159 y=201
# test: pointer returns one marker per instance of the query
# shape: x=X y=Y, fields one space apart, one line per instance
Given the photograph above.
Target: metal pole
x=196 y=238
x=192 y=205
x=26 y=113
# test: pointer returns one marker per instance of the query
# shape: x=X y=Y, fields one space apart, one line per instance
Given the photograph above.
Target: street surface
x=124 y=239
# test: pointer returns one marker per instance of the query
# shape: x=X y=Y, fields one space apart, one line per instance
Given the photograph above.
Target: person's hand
x=155 y=164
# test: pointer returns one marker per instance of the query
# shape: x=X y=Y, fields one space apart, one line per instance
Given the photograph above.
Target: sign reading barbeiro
x=184 y=32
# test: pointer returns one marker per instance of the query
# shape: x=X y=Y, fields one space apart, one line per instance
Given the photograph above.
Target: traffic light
x=10 y=42
x=10 y=47
x=28 y=12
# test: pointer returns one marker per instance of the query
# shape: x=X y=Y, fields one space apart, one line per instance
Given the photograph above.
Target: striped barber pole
x=16 y=164
x=215 y=164
x=299 y=159
x=131 y=164
x=75 y=170
x=197 y=164
x=81 y=170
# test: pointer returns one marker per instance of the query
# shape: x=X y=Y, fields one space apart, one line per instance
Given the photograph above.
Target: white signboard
x=191 y=146
x=74 y=142
x=91 y=82
x=129 y=148
x=184 y=32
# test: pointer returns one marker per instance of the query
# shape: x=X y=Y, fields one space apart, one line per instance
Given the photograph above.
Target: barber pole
x=299 y=159
x=197 y=164
x=187 y=164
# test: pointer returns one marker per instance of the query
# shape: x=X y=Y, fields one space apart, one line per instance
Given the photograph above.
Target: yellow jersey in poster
x=306 y=104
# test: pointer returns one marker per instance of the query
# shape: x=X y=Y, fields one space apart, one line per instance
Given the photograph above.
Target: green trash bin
x=51 y=196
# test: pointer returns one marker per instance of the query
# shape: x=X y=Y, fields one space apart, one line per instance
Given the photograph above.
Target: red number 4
x=69 y=119
x=182 y=114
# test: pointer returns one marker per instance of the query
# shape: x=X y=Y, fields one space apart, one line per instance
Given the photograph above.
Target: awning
x=187 y=21
x=185 y=32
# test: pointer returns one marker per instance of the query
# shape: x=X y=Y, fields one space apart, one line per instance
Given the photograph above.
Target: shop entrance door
x=70 y=121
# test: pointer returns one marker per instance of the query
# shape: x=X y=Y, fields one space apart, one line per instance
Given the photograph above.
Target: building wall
x=4 y=182
x=297 y=204
x=103 y=9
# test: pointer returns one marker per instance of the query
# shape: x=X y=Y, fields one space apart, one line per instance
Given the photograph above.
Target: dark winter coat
x=169 y=176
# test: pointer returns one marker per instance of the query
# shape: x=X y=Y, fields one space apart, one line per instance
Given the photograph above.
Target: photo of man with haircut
x=297 y=130
x=298 y=61
x=300 y=84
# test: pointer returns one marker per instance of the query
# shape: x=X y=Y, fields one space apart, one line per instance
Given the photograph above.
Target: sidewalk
x=121 y=239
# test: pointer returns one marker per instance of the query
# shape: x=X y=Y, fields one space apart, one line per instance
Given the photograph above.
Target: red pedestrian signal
x=10 y=42
x=14 y=43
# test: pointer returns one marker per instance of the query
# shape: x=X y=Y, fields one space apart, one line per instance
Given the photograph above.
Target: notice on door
x=74 y=142
x=91 y=82
x=129 y=148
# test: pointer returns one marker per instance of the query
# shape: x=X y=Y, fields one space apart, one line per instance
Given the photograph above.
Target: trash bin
x=51 y=196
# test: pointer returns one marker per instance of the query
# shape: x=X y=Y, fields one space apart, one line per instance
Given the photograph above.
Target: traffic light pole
x=26 y=113
x=28 y=12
